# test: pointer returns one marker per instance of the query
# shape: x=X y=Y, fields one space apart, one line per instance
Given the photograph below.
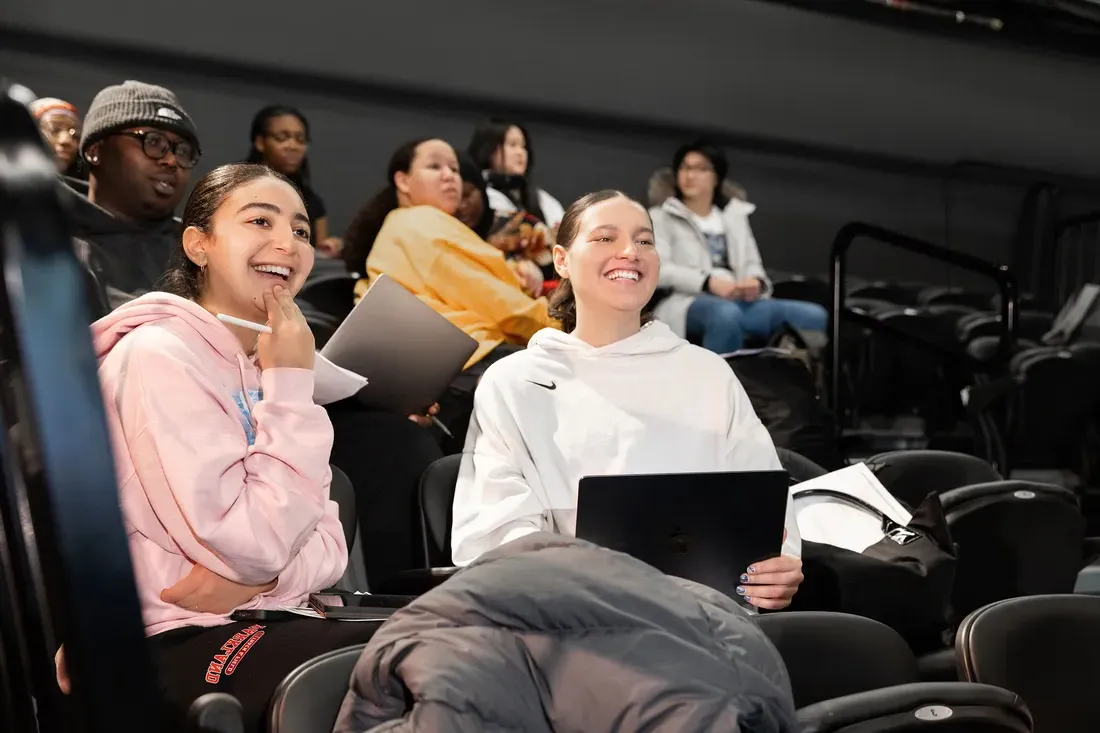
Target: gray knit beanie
x=133 y=104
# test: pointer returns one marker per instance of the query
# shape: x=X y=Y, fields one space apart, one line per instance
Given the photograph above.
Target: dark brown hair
x=184 y=277
x=364 y=228
x=563 y=302
x=487 y=139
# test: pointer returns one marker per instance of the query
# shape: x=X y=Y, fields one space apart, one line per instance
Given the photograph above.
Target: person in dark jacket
x=139 y=146
x=550 y=633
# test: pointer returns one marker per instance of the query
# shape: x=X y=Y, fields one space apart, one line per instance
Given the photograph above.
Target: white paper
x=302 y=611
x=333 y=383
x=834 y=522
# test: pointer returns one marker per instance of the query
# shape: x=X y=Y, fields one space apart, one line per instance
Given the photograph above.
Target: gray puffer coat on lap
x=550 y=633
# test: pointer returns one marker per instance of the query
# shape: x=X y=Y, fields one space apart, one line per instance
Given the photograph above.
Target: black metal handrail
x=1000 y=274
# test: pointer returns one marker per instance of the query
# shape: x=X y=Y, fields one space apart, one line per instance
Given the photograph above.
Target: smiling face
x=611 y=261
x=432 y=179
x=258 y=238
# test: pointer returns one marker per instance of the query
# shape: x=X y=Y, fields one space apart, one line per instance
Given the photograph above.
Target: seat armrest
x=413 y=582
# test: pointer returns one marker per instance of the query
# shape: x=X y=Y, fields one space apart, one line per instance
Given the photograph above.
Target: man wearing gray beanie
x=139 y=145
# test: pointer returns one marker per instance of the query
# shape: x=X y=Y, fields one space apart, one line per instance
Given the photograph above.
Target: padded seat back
x=1014 y=538
x=333 y=295
x=911 y=475
x=437 y=496
x=342 y=492
x=309 y=699
x=862 y=654
x=1044 y=648
x=924 y=707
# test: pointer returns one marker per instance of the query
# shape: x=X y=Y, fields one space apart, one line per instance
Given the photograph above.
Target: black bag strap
x=887 y=523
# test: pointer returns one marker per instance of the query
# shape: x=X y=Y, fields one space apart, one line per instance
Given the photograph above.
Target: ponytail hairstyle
x=563 y=301
x=364 y=228
x=183 y=277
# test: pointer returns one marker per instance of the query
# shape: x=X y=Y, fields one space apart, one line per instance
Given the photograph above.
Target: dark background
x=826 y=119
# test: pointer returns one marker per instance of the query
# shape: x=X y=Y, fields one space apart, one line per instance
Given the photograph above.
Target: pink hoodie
x=218 y=463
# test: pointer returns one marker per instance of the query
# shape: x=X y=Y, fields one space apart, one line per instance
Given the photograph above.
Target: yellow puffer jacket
x=463 y=278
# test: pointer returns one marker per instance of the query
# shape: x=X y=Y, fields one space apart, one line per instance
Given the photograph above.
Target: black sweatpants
x=384 y=456
x=456 y=406
x=246 y=660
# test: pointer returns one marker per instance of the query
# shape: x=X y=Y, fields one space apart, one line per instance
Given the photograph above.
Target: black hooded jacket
x=126 y=259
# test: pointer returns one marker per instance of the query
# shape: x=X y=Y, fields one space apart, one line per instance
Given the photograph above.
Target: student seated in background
x=139 y=146
x=611 y=394
x=280 y=140
x=223 y=460
x=473 y=209
x=503 y=151
x=60 y=125
x=717 y=289
x=408 y=231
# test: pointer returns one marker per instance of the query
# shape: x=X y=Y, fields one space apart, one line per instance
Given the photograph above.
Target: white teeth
x=274 y=270
x=623 y=275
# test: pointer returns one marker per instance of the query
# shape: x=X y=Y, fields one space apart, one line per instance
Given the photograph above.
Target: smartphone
x=349 y=606
x=264 y=614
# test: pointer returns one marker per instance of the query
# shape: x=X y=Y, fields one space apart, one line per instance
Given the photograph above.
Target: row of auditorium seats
x=1035 y=408
x=1011 y=538
x=1028 y=665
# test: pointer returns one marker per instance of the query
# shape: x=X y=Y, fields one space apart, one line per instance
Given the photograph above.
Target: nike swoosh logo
x=544 y=386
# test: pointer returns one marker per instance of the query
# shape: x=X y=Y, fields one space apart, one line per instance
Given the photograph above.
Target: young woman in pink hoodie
x=222 y=455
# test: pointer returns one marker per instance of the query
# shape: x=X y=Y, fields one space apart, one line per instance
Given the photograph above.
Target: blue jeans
x=721 y=325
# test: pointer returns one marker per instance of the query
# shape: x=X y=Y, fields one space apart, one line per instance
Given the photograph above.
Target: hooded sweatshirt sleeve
x=248 y=512
x=493 y=503
x=749 y=447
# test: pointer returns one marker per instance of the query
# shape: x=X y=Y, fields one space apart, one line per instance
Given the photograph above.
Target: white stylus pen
x=243 y=323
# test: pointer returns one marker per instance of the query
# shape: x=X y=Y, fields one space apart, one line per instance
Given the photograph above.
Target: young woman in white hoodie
x=609 y=394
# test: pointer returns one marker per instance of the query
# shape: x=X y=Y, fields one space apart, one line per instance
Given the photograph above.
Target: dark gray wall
x=609 y=87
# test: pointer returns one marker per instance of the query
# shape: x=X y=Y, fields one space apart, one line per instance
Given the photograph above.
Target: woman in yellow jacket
x=408 y=232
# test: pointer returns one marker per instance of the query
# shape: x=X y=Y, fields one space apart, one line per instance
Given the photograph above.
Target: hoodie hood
x=654 y=338
x=184 y=316
x=124 y=257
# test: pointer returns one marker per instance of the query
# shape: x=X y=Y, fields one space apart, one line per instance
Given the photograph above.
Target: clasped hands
x=727 y=286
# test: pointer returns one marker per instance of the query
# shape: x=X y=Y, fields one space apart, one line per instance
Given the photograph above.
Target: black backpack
x=783 y=392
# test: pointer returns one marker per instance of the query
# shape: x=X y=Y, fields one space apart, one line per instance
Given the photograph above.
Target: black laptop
x=706 y=527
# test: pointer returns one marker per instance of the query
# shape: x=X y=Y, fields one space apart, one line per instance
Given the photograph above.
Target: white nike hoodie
x=562 y=409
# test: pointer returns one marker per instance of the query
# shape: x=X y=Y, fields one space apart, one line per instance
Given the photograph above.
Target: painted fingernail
x=741 y=591
x=752 y=568
x=748 y=598
x=744 y=578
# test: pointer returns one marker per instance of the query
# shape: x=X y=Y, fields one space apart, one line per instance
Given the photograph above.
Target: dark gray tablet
x=408 y=352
